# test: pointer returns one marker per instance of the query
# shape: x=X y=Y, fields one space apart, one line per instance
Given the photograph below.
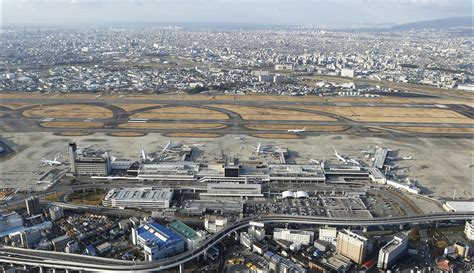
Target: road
x=80 y=262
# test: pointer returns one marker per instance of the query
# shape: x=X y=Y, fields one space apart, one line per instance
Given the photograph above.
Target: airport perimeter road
x=58 y=260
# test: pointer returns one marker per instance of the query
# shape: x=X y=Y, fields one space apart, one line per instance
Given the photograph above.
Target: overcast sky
x=280 y=12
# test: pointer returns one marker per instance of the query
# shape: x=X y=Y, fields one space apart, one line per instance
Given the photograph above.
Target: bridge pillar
x=180 y=268
x=365 y=229
x=41 y=270
x=204 y=255
x=401 y=226
x=436 y=224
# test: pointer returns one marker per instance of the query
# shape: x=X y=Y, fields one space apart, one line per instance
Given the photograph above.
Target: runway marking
x=138 y=120
x=47 y=119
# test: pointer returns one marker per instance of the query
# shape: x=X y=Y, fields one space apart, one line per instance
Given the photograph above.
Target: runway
x=14 y=121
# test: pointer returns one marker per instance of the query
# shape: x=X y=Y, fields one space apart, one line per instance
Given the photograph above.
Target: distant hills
x=437 y=24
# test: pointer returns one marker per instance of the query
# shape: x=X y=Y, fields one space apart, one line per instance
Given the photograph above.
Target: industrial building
x=192 y=238
x=390 y=252
x=303 y=237
x=143 y=198
x=157 y=241
x=351 y=245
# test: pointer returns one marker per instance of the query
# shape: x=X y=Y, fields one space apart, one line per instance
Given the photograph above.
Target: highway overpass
x=60 y=260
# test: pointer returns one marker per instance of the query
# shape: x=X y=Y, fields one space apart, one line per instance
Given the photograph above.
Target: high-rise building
x=390 y=252
x=56 y=213
x=33 y=206
x=351 y=245
x=469 y=230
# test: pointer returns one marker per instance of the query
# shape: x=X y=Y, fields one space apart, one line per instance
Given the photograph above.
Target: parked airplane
x=296 y=131
x=166 y=147
x=340 y=157
x=198 y=145
x=146 y=157
x=257 y=149
x=53 y=162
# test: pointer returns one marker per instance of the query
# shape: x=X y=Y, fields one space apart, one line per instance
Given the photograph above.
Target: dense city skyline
x=339 y=13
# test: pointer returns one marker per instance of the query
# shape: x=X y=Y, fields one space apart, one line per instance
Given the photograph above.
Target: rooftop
x=157 y=234
x=183 y=229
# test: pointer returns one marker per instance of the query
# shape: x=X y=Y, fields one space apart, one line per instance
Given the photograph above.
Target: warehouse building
x=192 y=238
x=143 y=198
x=157 y=241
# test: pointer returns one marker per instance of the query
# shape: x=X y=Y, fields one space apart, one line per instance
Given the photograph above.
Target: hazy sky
x=292 y=12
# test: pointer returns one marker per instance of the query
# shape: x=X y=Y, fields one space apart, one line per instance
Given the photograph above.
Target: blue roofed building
x=157 y=241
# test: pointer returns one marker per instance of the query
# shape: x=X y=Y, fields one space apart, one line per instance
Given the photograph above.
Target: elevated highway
x=59 y=260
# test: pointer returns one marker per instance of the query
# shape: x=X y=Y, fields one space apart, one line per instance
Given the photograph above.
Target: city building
x=246 y=240
x=143 y=198
x=328 y=234
x=292 y=235
x=277 y=263
x=30 y=238
x=214 y=223
x=157 y=241
x=33 y=206
x=347 y=73
x=469 y=230
x=56 y=213
x=103 y=248
x=10 y=222
x=256 y=230
x=462 y=249
x=60 y=243
x=351 y=245
x=72 y=247
x=192 y=238
x=390 y=252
